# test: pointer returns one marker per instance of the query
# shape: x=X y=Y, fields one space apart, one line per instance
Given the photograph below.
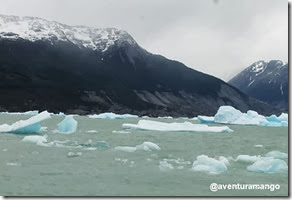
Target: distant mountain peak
x=35 y=29
x=266 y=81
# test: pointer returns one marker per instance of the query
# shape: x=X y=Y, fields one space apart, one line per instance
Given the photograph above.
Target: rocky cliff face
x=47 y=65
x=266 y=81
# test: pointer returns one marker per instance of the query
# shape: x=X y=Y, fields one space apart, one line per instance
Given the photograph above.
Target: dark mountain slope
x=51 y=69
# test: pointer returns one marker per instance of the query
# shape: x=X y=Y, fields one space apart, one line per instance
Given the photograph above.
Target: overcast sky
x=218 y=37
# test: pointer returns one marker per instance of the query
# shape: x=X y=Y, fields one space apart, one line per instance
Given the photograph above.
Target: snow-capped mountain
x=46 y=65
x=34 y=29
x=266 y=81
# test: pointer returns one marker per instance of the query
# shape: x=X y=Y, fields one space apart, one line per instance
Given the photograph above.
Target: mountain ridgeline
x=51 y=66
x=266 y=81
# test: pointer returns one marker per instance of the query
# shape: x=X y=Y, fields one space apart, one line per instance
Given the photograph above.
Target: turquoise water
x=27 y=169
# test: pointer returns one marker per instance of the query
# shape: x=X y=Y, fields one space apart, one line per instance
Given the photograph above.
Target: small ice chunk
x=277 y=154
x=185 y=127
x=122 y=132
x=270 y=165
x=146 y=146
x=72 y=154
x=112 y=116
x=206 y=119
x=165 y=166
x=91 y=131
x=258 y=146
x=132 y=164
x=37 y=139
x=209 y=165
x=13 y=164
x=68 y=125
x=247 y=158
x=31 y=125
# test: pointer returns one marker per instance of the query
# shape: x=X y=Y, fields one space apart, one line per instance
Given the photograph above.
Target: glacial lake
x=71 y=167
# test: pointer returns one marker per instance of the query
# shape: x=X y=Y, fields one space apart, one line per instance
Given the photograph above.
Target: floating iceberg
x=269 y=165
x=68 y=125
x=112 y=116
x=146 y=146
x=209 y=165
x=31 y=125
x=165 y=117
x=186 y=127
x=36 y=139
x=277 y=154
x=206 y=119
x=248 y=158
x=230 y=115
x=33 y=112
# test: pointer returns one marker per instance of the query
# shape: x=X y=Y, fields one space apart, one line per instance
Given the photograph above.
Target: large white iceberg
x=209 y=165
x=205 y=119
x=31 y=125
x=68 y=125
x=146 y=146
x=186 y=126
x=230 y=115
x=112 y=116
x=269 y=165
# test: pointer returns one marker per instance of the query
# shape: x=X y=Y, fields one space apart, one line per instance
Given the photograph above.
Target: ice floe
x=230 y=115
x=184 y=127
x=209 y=165
x=206 y=119
x=31 y=125
x=277 y=154
x=68 y=125
x=146 y=146
x=112 y=116
x=269 y=165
